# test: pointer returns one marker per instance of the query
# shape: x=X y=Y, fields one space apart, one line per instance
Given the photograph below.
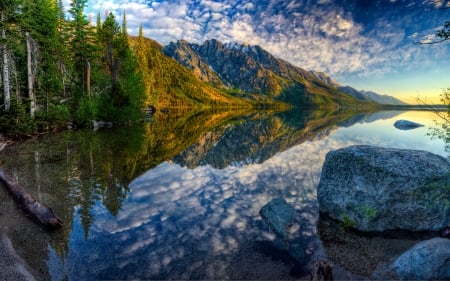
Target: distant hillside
x=241 y=68
x=365 y=96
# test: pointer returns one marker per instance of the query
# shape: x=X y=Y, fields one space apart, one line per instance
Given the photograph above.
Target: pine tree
x=83 y=49
x=142 y=57
x=112 y=46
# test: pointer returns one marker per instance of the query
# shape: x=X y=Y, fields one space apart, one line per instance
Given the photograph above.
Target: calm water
x=179 y=197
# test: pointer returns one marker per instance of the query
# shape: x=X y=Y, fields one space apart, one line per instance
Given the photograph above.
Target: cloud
x=362 y=39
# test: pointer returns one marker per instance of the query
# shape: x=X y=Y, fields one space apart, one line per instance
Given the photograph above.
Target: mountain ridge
x=245 y=68
x=251 y=69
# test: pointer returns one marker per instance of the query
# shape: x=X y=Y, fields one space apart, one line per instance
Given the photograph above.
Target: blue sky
x=367 y=44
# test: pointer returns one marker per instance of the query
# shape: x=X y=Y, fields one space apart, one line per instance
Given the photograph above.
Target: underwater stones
x=12 y=266
x=427 y=260
x=279 y=215
x=406 y=125
x=378 y=189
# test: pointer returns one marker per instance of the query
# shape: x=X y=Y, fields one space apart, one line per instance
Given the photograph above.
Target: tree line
x=56 y=70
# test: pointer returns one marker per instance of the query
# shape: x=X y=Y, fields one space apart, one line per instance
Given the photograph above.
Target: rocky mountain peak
x=325 y=78
x=251 y=69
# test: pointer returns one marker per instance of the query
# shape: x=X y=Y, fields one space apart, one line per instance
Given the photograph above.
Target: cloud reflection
x=188 y=223
x=204 y=223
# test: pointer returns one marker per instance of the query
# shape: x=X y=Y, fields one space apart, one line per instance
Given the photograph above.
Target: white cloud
x=321 y=35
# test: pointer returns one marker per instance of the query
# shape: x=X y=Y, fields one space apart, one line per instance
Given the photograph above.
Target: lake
x=178 y=197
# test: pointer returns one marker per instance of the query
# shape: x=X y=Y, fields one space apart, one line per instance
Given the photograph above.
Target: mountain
x=382 y=99
x=324 y=77
x=168 y=83
x=371 y=96
x=365 y=96
x=246 y=68
x=249 y=69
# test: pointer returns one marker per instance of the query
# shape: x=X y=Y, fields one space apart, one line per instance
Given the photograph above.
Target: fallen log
x=43 y=215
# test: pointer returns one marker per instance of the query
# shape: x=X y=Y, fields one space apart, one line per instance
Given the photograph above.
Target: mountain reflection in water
x=179 y=197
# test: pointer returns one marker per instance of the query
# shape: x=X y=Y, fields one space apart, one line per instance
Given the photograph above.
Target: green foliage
x=87 y=110
x=348 y=222
x=442 y=128
x=16 y=122
x=56 y=117
x=444 y=33
x=369 y=212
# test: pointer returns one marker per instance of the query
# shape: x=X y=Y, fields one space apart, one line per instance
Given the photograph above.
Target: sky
x=367 y=44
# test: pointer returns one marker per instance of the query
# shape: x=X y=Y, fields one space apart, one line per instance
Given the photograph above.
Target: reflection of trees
x=76 y=172
x=258 y=137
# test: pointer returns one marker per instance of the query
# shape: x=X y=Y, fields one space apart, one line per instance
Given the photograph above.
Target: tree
x=141 y=51
x=43 y=23
x=114 y=48
x=442 y=129
x=83 y=48
x=109 y=39
x=6 y=8
x=444 y=33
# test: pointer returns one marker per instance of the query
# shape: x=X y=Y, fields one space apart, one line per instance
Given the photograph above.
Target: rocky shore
x=376 y=190
x=382 y=211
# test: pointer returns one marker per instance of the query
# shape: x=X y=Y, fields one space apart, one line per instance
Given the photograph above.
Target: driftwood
x=43 y=215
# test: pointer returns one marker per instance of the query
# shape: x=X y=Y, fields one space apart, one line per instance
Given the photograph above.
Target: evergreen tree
x=114 y=47
x=83 y=49
x=126 y=82
x=142 y=56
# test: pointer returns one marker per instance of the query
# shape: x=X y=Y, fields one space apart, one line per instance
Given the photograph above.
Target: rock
x=445 y=233
x=361 y=254
x=2 y=145
x=379 y=189
x=279 y=215
x=101 y=124
x=11 y=264
x=427 y=260
x=406 y=125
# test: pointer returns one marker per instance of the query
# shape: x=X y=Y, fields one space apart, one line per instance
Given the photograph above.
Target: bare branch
x=440 y=114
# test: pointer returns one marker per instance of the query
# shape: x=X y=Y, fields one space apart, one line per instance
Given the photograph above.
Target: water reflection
x=179 y=197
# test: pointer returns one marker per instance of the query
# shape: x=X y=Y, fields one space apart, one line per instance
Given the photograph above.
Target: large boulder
x=406 y=125
x=377 y=189
x=427 y=260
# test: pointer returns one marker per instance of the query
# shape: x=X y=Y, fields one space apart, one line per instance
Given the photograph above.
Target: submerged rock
x=12 y=267
x=279 y=215
x=378 y=189
x=427 y=260
x=406 y=125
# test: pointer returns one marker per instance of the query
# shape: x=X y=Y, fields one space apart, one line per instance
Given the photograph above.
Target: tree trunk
x=5 y=74
x=43 y=215
x=30 y=77
x=88 y=79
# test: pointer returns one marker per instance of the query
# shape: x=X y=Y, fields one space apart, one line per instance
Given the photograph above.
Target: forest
x=57 y=70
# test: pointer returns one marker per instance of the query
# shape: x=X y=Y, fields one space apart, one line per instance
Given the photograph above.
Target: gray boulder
x=279 y=215
x=427 y=260
x=377 y=189
x=406 y=125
